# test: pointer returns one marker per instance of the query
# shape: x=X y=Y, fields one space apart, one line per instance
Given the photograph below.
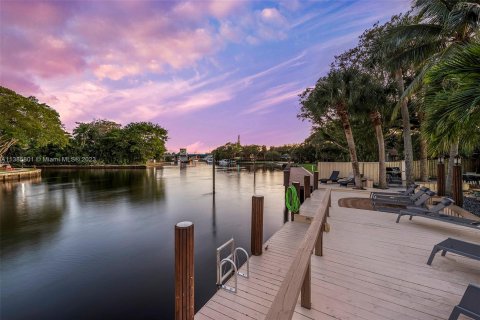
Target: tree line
x=302 y=152
x=33 y=131
x=411 y=84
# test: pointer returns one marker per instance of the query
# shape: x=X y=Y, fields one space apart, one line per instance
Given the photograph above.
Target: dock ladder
x=230 y=260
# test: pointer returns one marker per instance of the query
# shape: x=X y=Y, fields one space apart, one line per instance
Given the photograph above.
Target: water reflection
x=96 y=244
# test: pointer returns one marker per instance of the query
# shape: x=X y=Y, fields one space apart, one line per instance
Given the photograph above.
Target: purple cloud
x=205 y=70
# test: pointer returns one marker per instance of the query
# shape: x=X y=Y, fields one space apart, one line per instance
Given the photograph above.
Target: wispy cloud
x=236 y=64
x=275 y=96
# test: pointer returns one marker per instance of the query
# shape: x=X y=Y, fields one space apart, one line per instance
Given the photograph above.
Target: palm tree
x=425 y=39
x=452 y=99
x=332 y=97
x=371 y=98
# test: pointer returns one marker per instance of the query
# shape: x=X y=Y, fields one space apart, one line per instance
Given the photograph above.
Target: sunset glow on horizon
x=207 y=71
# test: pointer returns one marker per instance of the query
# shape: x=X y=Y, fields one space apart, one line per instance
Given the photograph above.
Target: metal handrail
x=232 y=259
x=236 y=260
x=220 y=277
x=224 y=286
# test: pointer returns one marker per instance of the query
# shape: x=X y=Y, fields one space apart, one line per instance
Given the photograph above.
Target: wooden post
x=315 y=180
x=319 y=241
x=286 y=182
x=213 y=173
x=257 y=225
x=286 y=178
x=457 y=187
x=306 y=187
x=297 y=188
x=329 y=205
x=440 y=179
x=184 y=271
x=306 y=293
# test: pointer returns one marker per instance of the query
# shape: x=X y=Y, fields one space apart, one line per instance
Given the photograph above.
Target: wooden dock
x=297 y=174
x=20 y=174
x=371 y=268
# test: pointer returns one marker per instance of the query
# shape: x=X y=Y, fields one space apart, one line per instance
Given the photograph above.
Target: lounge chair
x=419 y=203
x=469 y=305
x=409 y=191
x=463 y=248
x=413 y=197
x=401 y=200
x=411 y=211
x=333 y=177
x=430 y=214
x=346 y=182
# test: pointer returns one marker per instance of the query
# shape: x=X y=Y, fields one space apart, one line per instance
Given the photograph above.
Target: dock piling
x=286 y=183
x=257 y=225
x=306 y=187
x=297 y=188
x=315 y=180
x=184 y=271
x=213 y=172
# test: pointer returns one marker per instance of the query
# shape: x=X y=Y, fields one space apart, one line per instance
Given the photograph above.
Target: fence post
x=441 y=179
x=315 y=180
x=306 y=187
x=184 y=271
x=306 y=293
x=257 y=225
x=457 y=187
x=297 y=188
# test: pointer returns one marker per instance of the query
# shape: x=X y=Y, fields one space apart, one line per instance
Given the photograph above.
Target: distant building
x=183 y=156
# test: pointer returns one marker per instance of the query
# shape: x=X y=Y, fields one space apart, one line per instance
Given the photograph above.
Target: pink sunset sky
x=207 y=71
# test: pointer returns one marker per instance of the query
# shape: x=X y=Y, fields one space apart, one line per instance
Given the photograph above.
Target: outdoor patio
x=374 y=268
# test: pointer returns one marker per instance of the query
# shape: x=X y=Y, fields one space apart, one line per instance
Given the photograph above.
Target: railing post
x=184 y=271
x=257 y=225
x=306 y=187
x=319 y=241
x=297 y=188
x=306 y=293
x=315 y=180
x=329 y=205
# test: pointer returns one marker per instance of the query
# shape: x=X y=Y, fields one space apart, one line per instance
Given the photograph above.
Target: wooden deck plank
x=372 y=268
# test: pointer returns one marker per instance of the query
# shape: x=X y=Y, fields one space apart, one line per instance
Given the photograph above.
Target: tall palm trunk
x=423 y=152
x=376 y=118
x=423 y=160
x=407 y=136
x=452 y=153
x=344 y=118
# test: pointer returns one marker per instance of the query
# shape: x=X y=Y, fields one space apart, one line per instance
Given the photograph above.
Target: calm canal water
x=98 y=244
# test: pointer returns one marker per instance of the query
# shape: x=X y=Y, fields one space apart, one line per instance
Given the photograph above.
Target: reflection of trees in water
x=29 y=213
x=110 y=185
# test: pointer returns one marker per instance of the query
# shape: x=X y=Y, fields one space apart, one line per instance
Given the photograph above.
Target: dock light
x=441 y=159
x=457 y=160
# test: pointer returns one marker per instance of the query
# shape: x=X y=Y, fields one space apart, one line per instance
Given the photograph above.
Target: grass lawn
x=309 y=166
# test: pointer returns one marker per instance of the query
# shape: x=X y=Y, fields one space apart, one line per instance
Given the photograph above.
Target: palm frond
x=434 y=11
x=465 y=17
